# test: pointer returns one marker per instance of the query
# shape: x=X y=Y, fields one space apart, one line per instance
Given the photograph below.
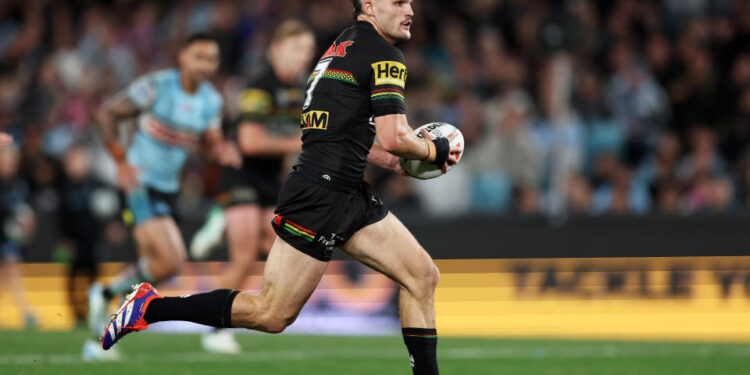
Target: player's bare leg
x=161 y=253
x=243 y=238
x=267 y=235
x=289 y=279
x=243 y=232
x=387 y=246
x=160 y=242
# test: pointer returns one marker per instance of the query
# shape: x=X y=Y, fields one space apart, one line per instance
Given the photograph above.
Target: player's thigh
x=162 y=238
x=267 y=234
x=289 y=278
x=243 y=228
x=388 y=247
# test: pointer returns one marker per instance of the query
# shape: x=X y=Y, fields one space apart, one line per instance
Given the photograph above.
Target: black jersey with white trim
x=359 y=77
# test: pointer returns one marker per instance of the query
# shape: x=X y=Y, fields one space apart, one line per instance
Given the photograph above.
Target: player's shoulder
x=264 y=79
x=210 y=94
x=368 y=42
x=161 y=77
x=145 y=88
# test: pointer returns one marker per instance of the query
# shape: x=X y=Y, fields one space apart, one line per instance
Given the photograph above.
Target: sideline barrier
x=668 y=298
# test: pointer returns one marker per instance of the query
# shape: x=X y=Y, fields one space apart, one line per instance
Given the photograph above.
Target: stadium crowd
x=567 y=107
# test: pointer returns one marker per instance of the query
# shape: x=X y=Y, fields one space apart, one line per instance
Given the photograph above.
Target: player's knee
x=277 y=323
x=432 y=278
x=426 y=282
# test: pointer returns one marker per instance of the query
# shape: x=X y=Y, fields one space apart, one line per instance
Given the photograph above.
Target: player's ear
x=368 y=7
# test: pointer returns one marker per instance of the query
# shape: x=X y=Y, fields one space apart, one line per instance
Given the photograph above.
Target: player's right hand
x=127 y=177
x=452 y=153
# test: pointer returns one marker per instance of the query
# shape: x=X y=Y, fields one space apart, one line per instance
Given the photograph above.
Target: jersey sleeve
x=142 y=92
x=387 y=83
x=255 y=104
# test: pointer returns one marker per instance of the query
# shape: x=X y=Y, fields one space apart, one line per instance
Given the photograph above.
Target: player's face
x=295 y=52
x=200 y=60
x=394 y=18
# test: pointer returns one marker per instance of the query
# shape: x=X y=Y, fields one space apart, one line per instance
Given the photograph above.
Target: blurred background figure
x=18 y=224
x=267 y=133
x=84 y=202
x=177 y=111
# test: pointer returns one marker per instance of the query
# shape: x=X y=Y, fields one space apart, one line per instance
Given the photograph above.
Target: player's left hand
x=228 y=154
x=395 y=166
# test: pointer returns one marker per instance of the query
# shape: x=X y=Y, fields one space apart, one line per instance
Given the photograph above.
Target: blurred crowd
x=568 y=107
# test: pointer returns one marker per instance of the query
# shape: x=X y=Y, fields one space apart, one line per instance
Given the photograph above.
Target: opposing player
x=176 y=109
x=325 y=203
x=266 y=133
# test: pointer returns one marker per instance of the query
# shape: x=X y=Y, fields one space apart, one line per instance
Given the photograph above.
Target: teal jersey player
x=171 y=122
x=175 y=111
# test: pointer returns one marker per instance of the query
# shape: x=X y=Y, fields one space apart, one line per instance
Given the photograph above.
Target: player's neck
x=188 y=86
x=376 y=26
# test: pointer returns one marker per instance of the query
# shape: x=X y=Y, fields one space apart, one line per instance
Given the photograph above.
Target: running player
x=266 y=133
x=325 y=203
x=175 y=110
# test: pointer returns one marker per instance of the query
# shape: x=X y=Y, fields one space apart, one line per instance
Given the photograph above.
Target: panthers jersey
x=359 y=77
x=276 y=106
x=170 y=124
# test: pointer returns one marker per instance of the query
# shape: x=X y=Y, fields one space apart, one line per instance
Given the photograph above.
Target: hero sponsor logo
x=389 y=73
x=314 y=120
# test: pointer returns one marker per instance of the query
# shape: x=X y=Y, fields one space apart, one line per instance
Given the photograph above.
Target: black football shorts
x=315 y=214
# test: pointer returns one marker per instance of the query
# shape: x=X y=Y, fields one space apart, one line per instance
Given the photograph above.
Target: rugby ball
x=422 y=169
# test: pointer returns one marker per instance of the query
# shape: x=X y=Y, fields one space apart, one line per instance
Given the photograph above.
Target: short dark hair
x=199 y=37
x=357 y=8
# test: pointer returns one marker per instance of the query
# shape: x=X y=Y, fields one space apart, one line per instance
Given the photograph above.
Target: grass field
x=30 y=352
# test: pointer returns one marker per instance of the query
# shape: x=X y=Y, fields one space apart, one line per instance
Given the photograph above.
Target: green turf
x=28 y=352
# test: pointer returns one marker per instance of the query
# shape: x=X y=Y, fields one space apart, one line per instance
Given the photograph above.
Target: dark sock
x=211 y=309
x=422 y=346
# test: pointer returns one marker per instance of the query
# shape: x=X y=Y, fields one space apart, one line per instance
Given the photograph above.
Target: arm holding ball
x=397 y=139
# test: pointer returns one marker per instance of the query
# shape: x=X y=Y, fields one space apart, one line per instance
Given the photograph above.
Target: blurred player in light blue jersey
x=176 y=110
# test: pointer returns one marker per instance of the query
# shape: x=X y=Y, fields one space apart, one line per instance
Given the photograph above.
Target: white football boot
x=209 y=236
x=220 y=341
x=93 y=352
